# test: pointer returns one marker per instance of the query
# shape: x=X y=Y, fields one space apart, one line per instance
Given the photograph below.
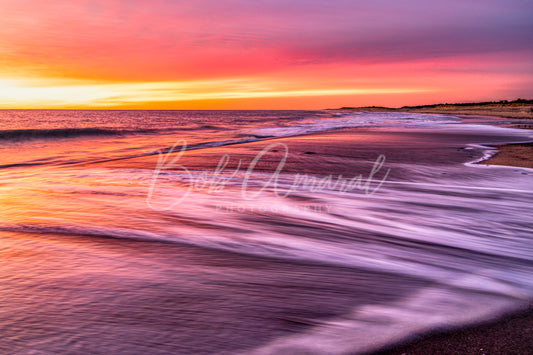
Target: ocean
x=255 y=232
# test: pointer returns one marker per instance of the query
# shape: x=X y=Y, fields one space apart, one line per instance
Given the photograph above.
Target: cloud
x=163 y=39
x=296 y=48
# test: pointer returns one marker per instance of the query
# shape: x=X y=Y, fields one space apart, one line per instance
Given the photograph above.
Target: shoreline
x=437 y=154
x=509 y=333
x=508 y=154
x=345 y=151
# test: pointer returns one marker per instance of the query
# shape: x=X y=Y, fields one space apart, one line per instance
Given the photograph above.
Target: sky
x=262 y=54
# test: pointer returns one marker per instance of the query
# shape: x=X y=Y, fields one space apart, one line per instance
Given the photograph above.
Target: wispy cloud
x=296 y=42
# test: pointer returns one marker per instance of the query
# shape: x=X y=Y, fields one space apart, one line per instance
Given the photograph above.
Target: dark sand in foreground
x=511 y=335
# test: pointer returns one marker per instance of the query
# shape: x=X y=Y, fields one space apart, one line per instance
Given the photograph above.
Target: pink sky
x=262 y=54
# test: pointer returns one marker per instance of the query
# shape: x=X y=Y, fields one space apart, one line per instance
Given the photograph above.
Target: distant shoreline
x=510 y=109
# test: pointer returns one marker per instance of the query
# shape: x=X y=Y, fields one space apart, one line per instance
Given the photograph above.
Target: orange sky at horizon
x=265 y=55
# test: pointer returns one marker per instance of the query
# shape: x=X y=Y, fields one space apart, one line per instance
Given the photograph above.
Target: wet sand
x=348 y=152
x=520 y=155
x=512 y=334
x=353 y=151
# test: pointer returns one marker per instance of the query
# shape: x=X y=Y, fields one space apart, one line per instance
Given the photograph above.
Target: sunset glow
x=261 y=54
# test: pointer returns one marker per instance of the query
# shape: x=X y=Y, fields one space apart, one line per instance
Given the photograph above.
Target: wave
x=372 y=327
x=37 y=134
x=25 y=134
x=279 y=128
x=355 y=120
x=58 y=133
x=101 y=232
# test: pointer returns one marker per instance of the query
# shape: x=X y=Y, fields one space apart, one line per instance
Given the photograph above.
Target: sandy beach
x=510 y=334
x=342 y=149
x=266 y=177
x=508 y=110
x=513 y=155
x=499 y=110
x=348 y=152
x=341 y=152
